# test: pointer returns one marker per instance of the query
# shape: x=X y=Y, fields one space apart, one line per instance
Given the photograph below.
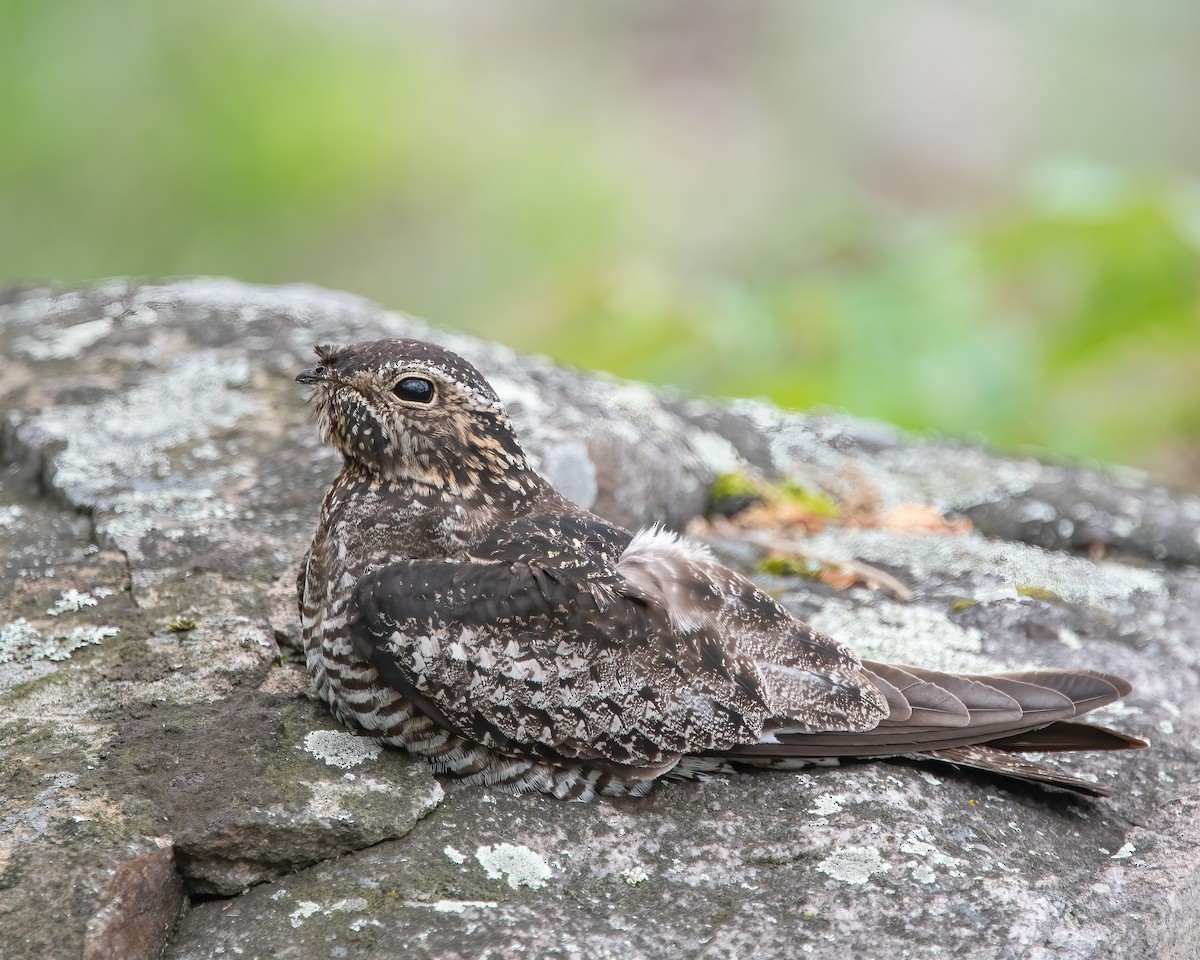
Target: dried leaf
x=918 y=518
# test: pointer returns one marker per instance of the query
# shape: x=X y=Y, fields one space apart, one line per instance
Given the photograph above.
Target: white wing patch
x=655 y=543
x=670 y=569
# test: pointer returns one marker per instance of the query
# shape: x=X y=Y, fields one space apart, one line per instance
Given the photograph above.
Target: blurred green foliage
x=359 y=147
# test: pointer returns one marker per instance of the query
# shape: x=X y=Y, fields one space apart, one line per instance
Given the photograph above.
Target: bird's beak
x=317 y=374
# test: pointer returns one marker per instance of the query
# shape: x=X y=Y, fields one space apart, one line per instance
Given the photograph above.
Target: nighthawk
x=454 y=604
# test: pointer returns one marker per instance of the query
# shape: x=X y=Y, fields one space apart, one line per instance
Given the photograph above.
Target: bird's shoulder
x=558 y=538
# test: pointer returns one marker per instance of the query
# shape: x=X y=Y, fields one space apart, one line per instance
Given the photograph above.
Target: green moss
x=959 y=604
x=182 y=624
x=733 y=492
x=820 y=504
x=727 y=486
x=777 y=565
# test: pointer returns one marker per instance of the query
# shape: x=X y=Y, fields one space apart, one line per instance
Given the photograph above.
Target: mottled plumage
x=454 y=604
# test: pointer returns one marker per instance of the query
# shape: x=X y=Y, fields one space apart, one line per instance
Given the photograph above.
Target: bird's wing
x=632 y=663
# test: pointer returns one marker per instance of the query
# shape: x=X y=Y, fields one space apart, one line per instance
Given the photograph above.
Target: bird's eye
x=414 y=389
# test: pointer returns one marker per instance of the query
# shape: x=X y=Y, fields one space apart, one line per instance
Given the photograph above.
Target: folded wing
x=534 y=661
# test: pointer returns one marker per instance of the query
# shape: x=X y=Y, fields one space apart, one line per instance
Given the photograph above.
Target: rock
x=137 y=908
x=159 y=479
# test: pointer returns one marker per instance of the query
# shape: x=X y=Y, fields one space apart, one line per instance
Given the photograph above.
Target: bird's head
x=406 y=411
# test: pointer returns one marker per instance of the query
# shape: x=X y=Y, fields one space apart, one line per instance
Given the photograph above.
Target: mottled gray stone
x=866 y=862
x=159 y=478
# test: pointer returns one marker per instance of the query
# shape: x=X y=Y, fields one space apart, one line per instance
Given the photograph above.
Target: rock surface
x=166 y=782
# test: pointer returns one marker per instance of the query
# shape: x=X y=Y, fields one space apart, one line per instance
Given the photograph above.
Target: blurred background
x=975 y=218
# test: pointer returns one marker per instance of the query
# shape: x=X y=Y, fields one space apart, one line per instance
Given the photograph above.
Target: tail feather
x=1015 y=767
x=970 y=720
x=1034 y=698
x=1087 y=688
x=1062 y=736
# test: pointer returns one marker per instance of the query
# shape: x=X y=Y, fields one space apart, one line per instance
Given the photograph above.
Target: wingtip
x=1086 y=689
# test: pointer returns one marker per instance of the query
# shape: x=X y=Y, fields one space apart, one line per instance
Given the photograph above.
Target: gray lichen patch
x=129 y=433
x=71 y=600
x=308 y=908
x=146 y=430
x=516 y=864
x=828 y=804
x=45 y=618
x=21 y=641
x=947 y=478
x=900 y=633
x=62 y=343
x=1111 y=587
x=952 y=478
x=340 y=749
x=853 y=865
x=929 y=862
